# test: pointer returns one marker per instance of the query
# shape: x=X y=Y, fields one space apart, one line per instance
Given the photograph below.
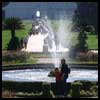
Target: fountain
x=41 y=75
x=42 y=38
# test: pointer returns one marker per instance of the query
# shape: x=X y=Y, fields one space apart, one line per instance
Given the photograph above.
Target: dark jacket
x=64 y=69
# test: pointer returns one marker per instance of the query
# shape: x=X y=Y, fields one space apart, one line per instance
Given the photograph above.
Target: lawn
x=92 y=40
x=6 y=34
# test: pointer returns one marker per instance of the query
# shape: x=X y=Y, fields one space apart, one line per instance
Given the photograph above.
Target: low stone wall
x=28 y=66
x=47 y=66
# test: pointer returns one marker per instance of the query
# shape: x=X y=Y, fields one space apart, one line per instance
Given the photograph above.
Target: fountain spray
x=58 y=41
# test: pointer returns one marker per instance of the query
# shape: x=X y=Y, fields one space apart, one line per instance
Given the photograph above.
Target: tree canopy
x=86 y=14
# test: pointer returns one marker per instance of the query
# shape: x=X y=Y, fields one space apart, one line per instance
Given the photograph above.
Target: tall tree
x=13 y=23
x=86 y=16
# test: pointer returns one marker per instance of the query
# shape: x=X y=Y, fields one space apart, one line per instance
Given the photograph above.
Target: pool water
x=41 y=75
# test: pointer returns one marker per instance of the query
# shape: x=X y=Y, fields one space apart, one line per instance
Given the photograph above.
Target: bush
x=92 y=56
x=82 y=57
x=15 y=56
x=76 y=87
x=89 y=56
x=88 y=89
x=8 y=94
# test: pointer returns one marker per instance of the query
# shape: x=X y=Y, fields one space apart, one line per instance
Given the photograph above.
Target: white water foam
x=41 y=75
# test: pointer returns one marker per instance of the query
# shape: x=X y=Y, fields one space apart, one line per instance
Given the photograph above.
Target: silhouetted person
x=65 y=71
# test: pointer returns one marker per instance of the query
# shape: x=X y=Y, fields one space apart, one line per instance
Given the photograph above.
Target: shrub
x=89 y=56
x=88 y=89
x=8 y=94
x=81 y=56
x=76 y=87
x=15 y=56
x=92 y=56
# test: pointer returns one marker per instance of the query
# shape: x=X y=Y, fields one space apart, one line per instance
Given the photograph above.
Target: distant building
x=53 y=10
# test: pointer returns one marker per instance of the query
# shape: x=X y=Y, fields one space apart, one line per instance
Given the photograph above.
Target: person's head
x=63 y=61
x=56 y=69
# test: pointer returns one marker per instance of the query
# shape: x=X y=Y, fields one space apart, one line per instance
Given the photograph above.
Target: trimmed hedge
x=77 y=89
x=13 y=57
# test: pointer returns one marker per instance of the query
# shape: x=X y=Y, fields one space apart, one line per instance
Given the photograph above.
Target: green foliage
x=69 y=95
x=85 y=21
x=22 y=86
x=82 y=45
x=79 y=88
x=6 y=37
x=86 y=13
x=13 y=22
x=89 y=56
x=46 y=89
x=76 y=87
x=10 y=56
x=92 y=39
x=88 y=89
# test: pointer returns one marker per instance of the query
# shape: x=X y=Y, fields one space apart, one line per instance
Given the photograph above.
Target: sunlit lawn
x=92 y=40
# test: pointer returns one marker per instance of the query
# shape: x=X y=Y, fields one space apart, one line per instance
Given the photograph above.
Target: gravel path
x=48 y=60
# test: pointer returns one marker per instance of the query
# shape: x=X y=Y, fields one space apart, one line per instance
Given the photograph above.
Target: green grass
x=17 y=62
x=5 y=38
x=6 y=34
x=92 y=40
x=74 y=40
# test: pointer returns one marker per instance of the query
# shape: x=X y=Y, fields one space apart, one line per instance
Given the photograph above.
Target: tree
x=81 y=28
x=85 y=18
x=13 y=44
x=13 y=23
x=86 y=14
x=82 y=45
